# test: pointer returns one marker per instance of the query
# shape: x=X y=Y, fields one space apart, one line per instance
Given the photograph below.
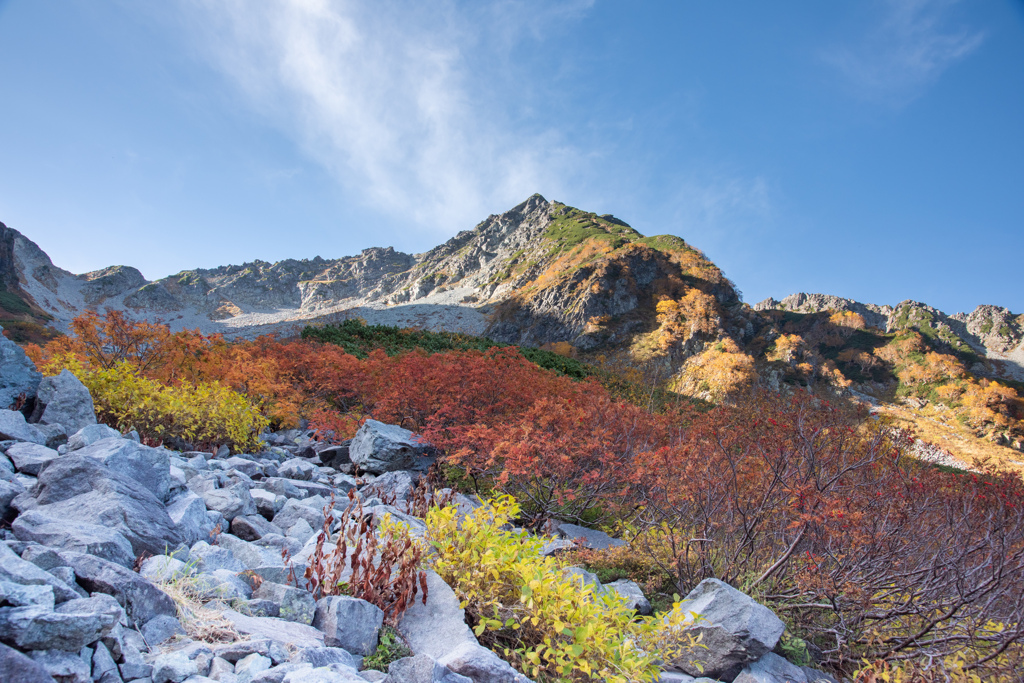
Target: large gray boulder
x=734 y=629
x=73 y=535
x=140 y=599
x=633 y=594
x=480 y=665
x=771 y=668
x=349 y=623
x=295 y=604
x=9 y=490
x=230 y=502
x=29 y=458
x=13 y=427
x=422 y=669
x=188 y=514
x=439 y=626
x=77 y=487
x=379 y=448
x=18 y=667
x=18 y=374
x=589 y=538
x=17 y=570
x=64 y=400
x=150 y=467
x=86 y=436
x=38 y=628
x=288 y=633
x=293 y=511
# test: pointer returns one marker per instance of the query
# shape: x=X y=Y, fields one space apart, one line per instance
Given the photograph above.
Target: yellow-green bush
x=546 y=624
x=204 y=414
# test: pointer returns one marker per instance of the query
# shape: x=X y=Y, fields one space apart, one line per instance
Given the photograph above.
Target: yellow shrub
x=542 y=621
x=204 y=414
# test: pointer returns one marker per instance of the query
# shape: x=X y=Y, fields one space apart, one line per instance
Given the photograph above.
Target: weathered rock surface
x=379 y=448
x=349 y=623
x=141 y=600
x=13 y=426
x=148 y=466
x=18 y=374
x=68 y=534
x=439 y=626
x=590 y=538
x=734 y=629
x=64 y=400
x=78 y=487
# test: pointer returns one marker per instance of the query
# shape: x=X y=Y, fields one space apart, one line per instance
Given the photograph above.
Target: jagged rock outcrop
x=993 y=334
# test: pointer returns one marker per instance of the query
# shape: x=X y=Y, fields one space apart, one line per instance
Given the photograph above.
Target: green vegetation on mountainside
x=359 y=339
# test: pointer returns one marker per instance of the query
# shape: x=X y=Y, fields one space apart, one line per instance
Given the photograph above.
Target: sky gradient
x=873 y=150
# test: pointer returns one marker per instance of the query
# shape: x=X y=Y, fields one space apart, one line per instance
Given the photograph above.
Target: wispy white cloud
x=910 y=47
x=386 y=95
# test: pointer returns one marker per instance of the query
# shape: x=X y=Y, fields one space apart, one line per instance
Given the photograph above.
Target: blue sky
x=873 y=150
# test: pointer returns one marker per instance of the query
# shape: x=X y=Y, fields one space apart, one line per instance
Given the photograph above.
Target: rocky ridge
x=994 y=334
x=541 y=272
x=103 y=529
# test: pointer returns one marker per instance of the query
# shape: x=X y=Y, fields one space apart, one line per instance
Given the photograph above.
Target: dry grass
x=204 y=622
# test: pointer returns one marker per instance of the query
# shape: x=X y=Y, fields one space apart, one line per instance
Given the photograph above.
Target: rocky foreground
x=123 y=562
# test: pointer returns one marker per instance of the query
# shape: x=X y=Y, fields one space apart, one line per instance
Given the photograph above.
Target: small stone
x=161 y=629
x=295 y=604
x=250 y=665
x=173 y=667
x=349 y=623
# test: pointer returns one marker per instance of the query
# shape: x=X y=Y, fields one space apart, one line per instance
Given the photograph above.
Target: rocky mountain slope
x=540 y=273
x=124 y=562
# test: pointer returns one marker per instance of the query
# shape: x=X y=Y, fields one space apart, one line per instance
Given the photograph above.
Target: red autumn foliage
x=809 y=506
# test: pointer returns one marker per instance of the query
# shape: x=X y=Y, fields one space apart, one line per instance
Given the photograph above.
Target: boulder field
x=101 y=532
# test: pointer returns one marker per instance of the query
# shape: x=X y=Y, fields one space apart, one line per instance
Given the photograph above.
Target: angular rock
x=278 y=630
x=148 y=466
x=65 y=667
x=173 y=667
x=394 y=488
x=293 y=511
x=14 y=427
x=282 y=487
x=297 y=468
x=294 y=604
x=268 y=503
x=161 y=628
x=326 y=656
x=64 y=400
x=162 y=568
x=734 y=629
x=29 y=458
x=18 y=668
x=250 y=555
x=816 y=676
x=590 y=538
x=349 y=623
x=245 y=466
x=253 y=527
x=133 y=665
x=8 y=491
x=103 y=664
x=379 y=448
x=336 y=456
x=81 y=537
x=335 y=674
x=80 y=488
x=438 y=627
x=17 y=570
x=141 y=600
x=771 y=668
x=188 y=514
x=209 y=558
x=584 y=577
x=38 y=628
x=633 y=594
x=476 y=662
x=86 y=436
x=56 y=435
x=232 y=652
x=230 y=502
x=250 y=665
x=18 y=374
x=301 y=531
x=222 y=584
x=422 y=669
x=17 y=595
